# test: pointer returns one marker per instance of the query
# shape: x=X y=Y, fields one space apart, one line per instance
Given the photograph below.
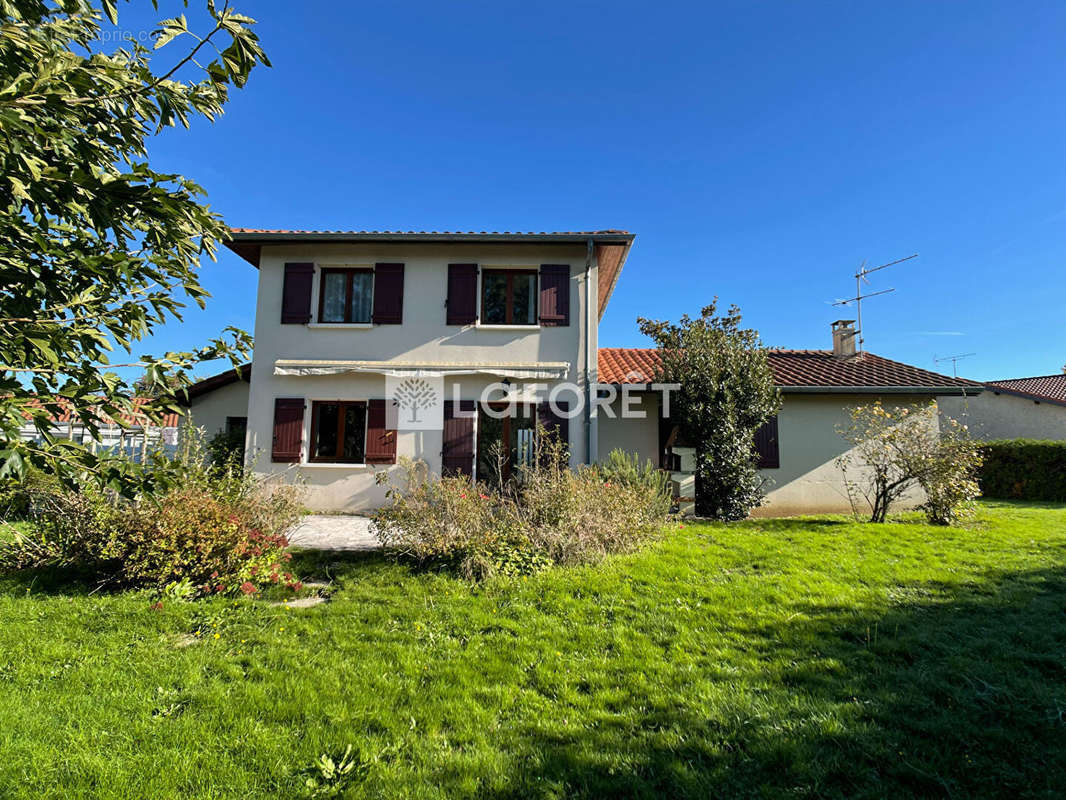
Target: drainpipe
x=589 y=354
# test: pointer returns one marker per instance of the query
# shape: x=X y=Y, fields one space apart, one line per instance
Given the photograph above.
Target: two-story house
x=337 y=312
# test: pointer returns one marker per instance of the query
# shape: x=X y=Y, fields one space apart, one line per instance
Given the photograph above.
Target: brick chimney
x=844 y=338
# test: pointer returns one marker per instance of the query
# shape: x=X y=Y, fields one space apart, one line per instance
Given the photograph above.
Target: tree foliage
x=895 y=450
x=96 y=248
x=726 y=392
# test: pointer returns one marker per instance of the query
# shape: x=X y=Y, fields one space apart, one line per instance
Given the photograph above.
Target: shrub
x=219 y=532
x=949 y=479
x=725 y=393
x=226 y=450
x=1024 y=469
x=548 y=515
x=16 y=494
x=900 y=448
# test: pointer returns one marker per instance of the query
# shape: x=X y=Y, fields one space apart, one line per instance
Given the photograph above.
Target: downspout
x=589 y=355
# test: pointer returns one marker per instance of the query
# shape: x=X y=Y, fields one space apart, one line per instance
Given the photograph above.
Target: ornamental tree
x=897 y=450
x=726 y=392
x=97 y=248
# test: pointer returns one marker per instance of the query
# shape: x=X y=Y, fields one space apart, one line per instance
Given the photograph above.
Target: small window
x=508 y=297
x=236 y=425
x=338 y=432
x=346 y=295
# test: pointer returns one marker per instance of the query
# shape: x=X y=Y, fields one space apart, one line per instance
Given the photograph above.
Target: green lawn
x=790 y=658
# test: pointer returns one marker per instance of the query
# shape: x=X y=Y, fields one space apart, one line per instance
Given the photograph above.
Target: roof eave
x=1036 y=398
x=246 y=244
x=603 y=301
x=931 y=390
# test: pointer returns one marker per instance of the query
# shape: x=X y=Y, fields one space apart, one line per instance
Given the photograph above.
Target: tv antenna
x=860 y=279
x=954 y=362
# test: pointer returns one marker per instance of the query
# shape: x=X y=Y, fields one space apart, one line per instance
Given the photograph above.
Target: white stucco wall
x=1005 y=416
x=808 y=480
x=209 y=411
x=423 y=336
x=639 y=436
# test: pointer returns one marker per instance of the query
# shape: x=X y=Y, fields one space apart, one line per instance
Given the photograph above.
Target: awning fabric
x=539 y=370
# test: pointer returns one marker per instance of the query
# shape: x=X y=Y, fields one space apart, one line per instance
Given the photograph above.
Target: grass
x=799 y=658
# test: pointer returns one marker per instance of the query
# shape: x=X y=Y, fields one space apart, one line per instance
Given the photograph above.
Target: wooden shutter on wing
x=380 y=441
x=554 y=295
x=457 y=456
x=296 y=293
x=555 y=424
x=388 y=294
x=769 y=454
x=462 y=294
x=288 y=430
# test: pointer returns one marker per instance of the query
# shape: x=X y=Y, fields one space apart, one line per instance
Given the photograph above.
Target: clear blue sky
x=760 y=152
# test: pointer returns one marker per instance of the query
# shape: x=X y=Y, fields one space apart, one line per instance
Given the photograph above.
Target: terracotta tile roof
x=295 y=232
x=1049 y=388
x=612 y=245
x=799 y=370
x=170 y=420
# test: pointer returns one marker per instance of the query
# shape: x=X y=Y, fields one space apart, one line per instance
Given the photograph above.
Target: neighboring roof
x=612 y=246
x=1041 y=388
x=169 y=420
x=241 y=373
x=803 y=371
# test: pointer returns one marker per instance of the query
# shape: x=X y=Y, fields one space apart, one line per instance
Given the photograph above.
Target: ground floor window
x=504 y=444
x=236 y=426
x=338 y=432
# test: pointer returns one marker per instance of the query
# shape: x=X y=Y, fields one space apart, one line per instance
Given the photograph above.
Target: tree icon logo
x=417 y=402
x=414 y=394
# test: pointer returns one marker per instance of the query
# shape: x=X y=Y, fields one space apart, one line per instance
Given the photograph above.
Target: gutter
x=964 y=391
x=943 y=391
x=357 y=236
x=589 y=253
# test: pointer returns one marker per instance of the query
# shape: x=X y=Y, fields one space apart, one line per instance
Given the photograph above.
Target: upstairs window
x=346 y=295
x=508 y=297
x=338 y=432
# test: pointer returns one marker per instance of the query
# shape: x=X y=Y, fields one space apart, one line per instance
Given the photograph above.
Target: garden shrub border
x=1024 y=469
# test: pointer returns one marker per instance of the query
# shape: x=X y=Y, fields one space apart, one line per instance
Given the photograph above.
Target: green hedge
x=1024 y=469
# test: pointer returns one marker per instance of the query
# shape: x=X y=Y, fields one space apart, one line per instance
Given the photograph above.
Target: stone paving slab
x=333 y=532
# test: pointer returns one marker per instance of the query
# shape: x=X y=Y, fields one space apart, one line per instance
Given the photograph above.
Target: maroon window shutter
x=296 y=294
x=555 y=424
x=462 y=294
x=766 y=447
x=380 y=441
x=288 y=430
x=388 y=294
x=457 y=457
x=554 y=295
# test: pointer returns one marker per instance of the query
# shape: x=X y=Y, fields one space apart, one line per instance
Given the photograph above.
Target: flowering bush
x=548 y=515
x=220 y=532
x=895 y=450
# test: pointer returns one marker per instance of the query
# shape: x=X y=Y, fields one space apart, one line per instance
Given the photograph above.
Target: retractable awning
x=528 y=370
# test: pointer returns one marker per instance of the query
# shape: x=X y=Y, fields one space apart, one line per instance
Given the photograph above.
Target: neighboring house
x=1015 y=408
x=129 y=435
x=340 y=313
x=219 y=404
x=798 y=449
